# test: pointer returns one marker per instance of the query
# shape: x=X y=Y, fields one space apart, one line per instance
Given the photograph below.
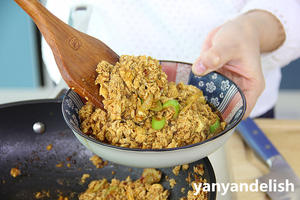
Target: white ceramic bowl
x=218 y=90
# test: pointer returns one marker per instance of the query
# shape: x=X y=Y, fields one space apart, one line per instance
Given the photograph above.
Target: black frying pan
x=21 y=147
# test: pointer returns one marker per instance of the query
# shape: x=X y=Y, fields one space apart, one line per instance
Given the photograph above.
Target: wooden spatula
x=76 y=54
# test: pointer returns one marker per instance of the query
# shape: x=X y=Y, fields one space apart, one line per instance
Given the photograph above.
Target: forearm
x=267 y=27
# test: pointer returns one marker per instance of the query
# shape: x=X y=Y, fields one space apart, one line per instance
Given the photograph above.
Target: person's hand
x=234 y=48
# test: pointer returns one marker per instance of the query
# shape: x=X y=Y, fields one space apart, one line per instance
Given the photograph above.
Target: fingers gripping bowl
x=218 y=90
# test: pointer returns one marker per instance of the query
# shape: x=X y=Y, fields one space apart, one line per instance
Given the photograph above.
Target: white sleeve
x=63 y=12
x=288 y=13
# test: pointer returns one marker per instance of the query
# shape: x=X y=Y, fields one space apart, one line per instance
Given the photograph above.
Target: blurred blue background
x=291 y=76
x=19 y=54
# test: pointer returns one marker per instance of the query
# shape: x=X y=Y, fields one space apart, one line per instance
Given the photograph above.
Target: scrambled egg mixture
x=144 y=110
x=145 y=188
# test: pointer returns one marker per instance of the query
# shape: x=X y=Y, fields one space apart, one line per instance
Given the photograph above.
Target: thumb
x=212 y=59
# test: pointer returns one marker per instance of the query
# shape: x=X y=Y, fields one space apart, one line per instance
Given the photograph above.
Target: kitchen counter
x=244 y=166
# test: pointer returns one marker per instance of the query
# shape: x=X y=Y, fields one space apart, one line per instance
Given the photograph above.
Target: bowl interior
x=218 y=90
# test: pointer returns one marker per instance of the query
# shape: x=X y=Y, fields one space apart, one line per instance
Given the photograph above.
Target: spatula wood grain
x=76 y=54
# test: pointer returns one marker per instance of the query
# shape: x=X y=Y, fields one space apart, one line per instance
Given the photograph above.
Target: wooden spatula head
x=76 y=54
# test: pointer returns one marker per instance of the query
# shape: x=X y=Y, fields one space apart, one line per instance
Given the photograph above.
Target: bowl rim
x=164 y=149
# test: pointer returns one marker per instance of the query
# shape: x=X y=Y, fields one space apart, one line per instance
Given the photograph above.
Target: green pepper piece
x=158 y=107
x=175 y=104
x=110 y=189
x=142 y=101
x=158 y=124
x=213 y=128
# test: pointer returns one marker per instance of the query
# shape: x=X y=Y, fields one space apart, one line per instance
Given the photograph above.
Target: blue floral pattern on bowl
x=222 y=93
x=218 y=90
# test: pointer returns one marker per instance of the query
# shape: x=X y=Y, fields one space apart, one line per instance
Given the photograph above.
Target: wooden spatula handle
x=76 y=54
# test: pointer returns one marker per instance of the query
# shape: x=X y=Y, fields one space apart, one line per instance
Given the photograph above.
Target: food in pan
x=198 y=173
x=185 y=167
x=49 y=147
x=144 y=110
x=14 y=172
x=172 y=182
x=176 y=170
x=145 y=188
x=98 y=162
x=62 y=198
x=59 y=165
x=182 y=190
x=84 y=177
x=42 y=194
x=199 y=169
